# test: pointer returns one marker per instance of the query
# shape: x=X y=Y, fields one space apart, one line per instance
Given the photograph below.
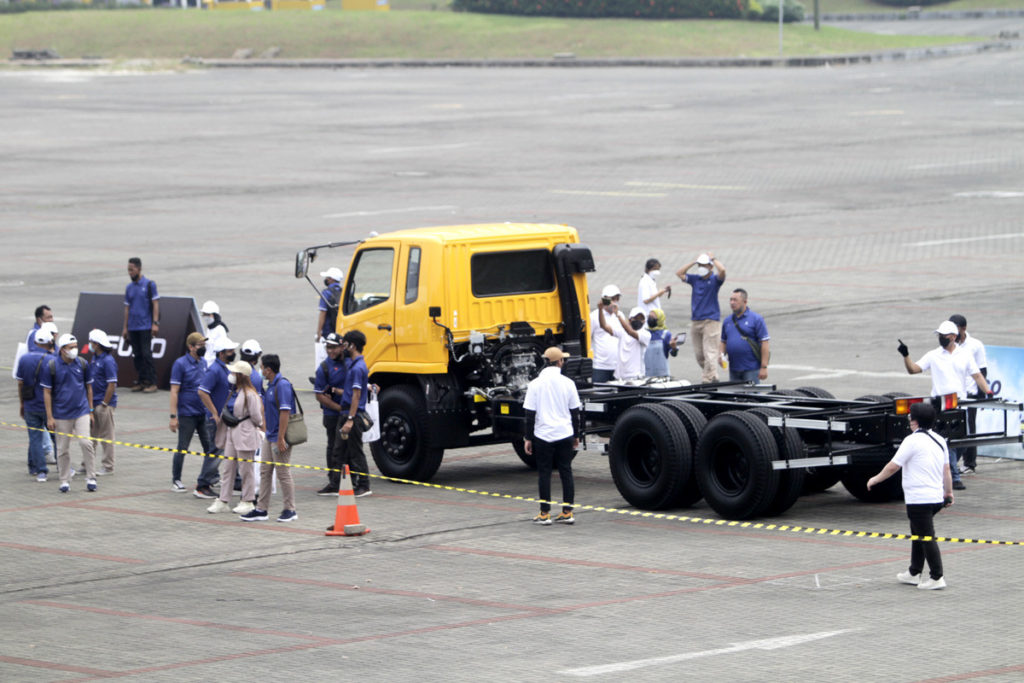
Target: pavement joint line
x=646 y=514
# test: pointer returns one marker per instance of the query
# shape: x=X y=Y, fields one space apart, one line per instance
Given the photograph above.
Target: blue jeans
x=603 y=375
x=954 y=455
x=744 y=376
x=38 y=442
x=187 y=426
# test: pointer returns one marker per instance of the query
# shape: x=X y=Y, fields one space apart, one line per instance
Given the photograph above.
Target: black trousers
x=350 y=452
x=922 y=524
x=970 y=455
x=551 y=455
x=142 y=355
x=333 y=459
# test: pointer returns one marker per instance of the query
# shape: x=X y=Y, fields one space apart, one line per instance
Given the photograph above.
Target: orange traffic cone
x=346 y=519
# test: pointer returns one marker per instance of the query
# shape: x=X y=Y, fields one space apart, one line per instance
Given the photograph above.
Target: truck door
x=369 y=304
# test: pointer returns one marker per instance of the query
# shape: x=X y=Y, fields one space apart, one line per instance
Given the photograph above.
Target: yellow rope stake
x=766 y=526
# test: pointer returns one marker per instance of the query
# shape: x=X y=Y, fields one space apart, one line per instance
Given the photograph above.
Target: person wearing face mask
x=29 y=373
x=705 y=313
x=605 y=346
x=141 y=322
x=633 y=342
x=215 y=328
x=213 y=392
x=278 y=405
x=648 y=294
x=239 y=440
x=663 y=344
x=745 y=341
x=188 y=416
x=976 y=348
x=950 y=367
x=67 y=395
x=103 y=369
x=327 y=310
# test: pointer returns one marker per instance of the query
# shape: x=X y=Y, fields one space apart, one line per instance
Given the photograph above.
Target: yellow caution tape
x=767 y=526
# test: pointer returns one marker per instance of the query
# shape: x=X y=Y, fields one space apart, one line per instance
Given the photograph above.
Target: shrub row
x=642 y=9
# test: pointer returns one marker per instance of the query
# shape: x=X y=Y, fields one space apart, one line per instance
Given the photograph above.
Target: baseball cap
x=635 y=311
x=48 y=327
x=66 y=339
x=334 y=273
x=332 y=339
x=251 y=347
x=43 y=336
x=704 y=260
x=210 y=307
x=223 y=344
x=611 y=291
x=947 y=327
x=195 y=338
x=100 y=337
x=240 y=367
x=553 y=353
x=958 y=320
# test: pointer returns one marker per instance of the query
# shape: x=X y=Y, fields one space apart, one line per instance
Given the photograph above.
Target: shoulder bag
x=295 y=433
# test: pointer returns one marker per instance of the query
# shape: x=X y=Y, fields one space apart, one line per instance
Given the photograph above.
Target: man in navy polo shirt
x=278 y=406
x=705 y=314
x=67 y=395
x=103 y=370
x=330 y=382
x=353 y=401
x=31 y=370
x=188 y=415
x=327 y=307
x=141 y=322
x=745 y=341
x=43 y=315
x=213 y=392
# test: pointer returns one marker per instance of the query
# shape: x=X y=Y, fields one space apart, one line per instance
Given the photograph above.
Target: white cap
x=334 y=273
x=240 y=367
x=637 y=311
x=703 y=260
x=43 y=336
x=251 y=347
x=610 y=291
x=947 y=327
x=223 y=344
x=49 y=328
x=210 y=307
x=66 y=339
x=101 y=338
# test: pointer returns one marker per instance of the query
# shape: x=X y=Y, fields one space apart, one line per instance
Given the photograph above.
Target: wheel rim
x=730 y=467
x=643 y=461
x=398 y=438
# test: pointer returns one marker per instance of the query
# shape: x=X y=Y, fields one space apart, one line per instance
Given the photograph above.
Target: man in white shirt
x=927 y=488
x=605 y=345
x=647 y=291
x=950 y=368
x=552 y=408
x=976 y=349
x=633 y=341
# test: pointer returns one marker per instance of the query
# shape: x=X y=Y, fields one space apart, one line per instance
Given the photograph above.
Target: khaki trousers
x=103 y=428
x=705 y=336
x=228 y=468
x=284 y=476
x=80 y=428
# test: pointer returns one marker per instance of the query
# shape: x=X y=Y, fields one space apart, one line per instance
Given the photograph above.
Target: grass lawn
x=173 y=34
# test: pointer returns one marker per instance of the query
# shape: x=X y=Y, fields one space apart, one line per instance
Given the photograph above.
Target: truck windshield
x=369 y=283
x=500 y=273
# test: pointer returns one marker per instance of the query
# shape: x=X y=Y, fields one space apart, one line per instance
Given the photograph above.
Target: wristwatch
x=174 y=415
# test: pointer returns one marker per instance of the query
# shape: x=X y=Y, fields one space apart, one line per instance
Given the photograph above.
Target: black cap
x=332 y=339
x=958 y=320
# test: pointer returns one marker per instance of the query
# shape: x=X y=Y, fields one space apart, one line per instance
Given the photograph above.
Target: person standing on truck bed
x=327 y=305
x=950 y=367
x=705 y=313
x=745 y=341
x=927 y=488
x=973 y=346
x=633 y=341
x=552 y=407
x=648 y=295
x=605 y=345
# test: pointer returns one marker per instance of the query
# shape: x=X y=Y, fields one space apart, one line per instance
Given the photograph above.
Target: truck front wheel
x=402 y=450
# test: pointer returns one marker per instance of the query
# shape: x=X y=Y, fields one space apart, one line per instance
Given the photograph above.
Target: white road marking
x=951 y=164
x=684 y=186
x=767 y=644
x=830 y=373
x=595 y=193
x=961 y=240
x=990 y=194
x=422 y=148
x=410 y=209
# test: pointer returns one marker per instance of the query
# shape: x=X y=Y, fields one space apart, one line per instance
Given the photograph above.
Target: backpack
x=28 y=391
x=333 y=299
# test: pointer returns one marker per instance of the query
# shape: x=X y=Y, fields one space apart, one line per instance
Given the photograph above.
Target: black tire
x=855 y=479
x=693 y=422
x=402 y=450
x=734 y=465
x=815 y=392
x=529 y=459
x=896 y=394
x=818 y=479
x=874 y=398
x=786 y=392
x=649 y=456
x=791 y=447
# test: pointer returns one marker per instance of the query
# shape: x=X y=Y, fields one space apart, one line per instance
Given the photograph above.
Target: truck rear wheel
x=815 y=392
x=818 y=479
x=402 y=450
x=693 y=422
x=855 y=479
x=649 y=456
x=529 y=459
x=734 y=465
x=791 y=447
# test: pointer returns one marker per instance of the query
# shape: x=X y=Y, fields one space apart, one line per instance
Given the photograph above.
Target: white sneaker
x=907 y=577
x=243 y=507
x=931 y=584
x=177 y=486
x=218 y=506
x=41 y=477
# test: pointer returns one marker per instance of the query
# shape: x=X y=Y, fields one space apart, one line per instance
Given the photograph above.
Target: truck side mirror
x=301 y=264
x=434 y=311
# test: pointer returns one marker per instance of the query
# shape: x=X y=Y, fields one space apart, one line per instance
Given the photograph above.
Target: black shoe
x=204 y=492
x=312 y=380
x=328 y=490
x=362 y=491
x=959 y=485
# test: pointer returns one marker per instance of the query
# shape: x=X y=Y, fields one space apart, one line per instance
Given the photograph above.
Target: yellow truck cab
x=456 y=319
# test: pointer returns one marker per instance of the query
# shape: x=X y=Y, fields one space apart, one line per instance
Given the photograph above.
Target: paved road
x=856 y=204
